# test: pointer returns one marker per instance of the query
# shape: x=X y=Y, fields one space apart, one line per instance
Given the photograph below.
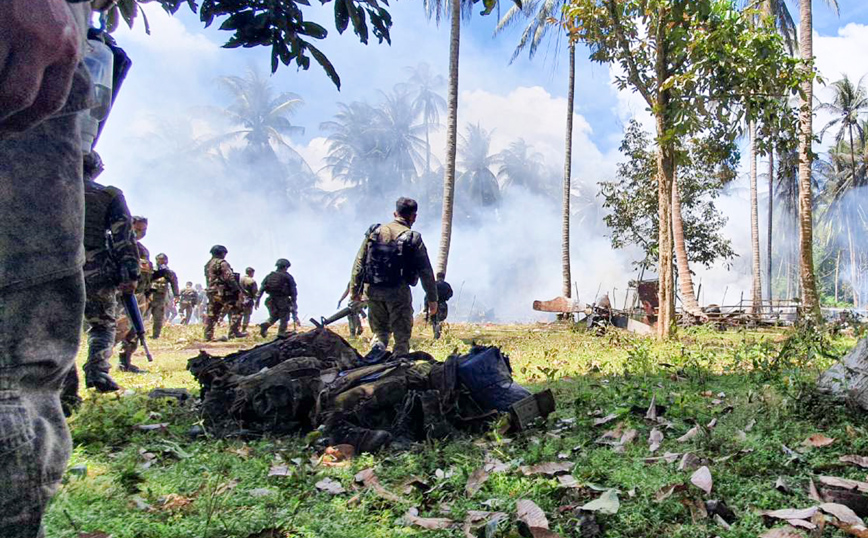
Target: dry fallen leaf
x=844 y=513
x=225 y=487
x=690 y=462
x=532 y=515
x=174 y=502
x=626 y=438
x=861 y=461
x=338 y=455
x=330 y=486
x=568 y=481
x=651 y=414
x=666 y=491
x=431 y=523
x=243 y=452
x=280 y=470
x=475 y=518
x=551 y=468
x=369 y=479
x=812 y=491
x=605 y=420
x=818 y=440
x=475 y=481
x=691 y=433
x=607 y=503
x=844 y=483
x=702 y=479
x=413 y=483
x=856 y=530
x=790 y=513
x=801 y=523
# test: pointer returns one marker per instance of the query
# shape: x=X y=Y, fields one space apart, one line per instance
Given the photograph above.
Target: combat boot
x=362 y=439
x=263 y=330
x=100 y=381
x=126 y=364
x=238 y=335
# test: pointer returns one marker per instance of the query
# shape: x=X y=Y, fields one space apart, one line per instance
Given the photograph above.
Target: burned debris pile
x=317 y=380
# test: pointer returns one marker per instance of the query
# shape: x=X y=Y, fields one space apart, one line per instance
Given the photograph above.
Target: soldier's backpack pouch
x=486 y=373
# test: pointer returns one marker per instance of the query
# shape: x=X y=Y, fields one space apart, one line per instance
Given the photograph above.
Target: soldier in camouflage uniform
x=282 y=298
x=224 y=294
x=163 y=281
x=250 y=289
x=391 y=259
x=444 y=293
x=41 y=247
x=130 y=341
x=188 y=303
x=111 y=264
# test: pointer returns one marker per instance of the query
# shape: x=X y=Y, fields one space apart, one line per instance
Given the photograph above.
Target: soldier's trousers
x=392 y=318
x=129 y=340
x=216 y=310
x=158 y=311
x=245 y=318
x=279 y=310
x=40 y=327
x=186 y=313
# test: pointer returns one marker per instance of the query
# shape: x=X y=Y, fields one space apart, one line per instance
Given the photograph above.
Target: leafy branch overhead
x=281 y=25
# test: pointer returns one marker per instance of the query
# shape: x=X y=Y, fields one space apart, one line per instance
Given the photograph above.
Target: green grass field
x=757 y=385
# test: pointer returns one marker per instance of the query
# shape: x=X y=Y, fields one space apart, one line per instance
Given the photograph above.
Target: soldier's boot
x=263 y=329
x=362 y=439
x=126 y=362
x=209 y=330
x=69 y=399
x=101 y=381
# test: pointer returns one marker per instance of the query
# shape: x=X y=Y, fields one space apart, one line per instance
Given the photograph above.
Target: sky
x=173 y=83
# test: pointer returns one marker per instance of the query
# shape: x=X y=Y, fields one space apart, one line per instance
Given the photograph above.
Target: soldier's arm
x=261 y=290
x=125 y=252
x=173 y=280
x=426 y=273
x=293 y=290
x=358 y=273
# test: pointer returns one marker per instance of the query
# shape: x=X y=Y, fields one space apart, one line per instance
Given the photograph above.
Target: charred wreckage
x=316 y=380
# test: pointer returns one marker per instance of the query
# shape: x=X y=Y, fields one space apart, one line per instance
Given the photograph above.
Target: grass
x=162 y=484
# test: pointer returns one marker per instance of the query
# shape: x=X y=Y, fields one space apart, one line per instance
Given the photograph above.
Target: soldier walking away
x=45 y=87
x=199 y=313
x=282 y=298
x=224 y=294
x=391 y=259
x=444 y=293
x=163 y=281
x=189 y=300
x=130 y=340
x=250 y=289
x=111 y=263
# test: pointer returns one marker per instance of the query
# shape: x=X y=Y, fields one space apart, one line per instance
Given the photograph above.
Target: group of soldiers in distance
x=391 y=259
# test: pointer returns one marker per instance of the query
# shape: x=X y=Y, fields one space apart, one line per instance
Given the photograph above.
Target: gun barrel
x=131 y=306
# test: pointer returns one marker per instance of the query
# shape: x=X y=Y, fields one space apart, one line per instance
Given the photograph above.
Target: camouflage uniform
x=250 y=289
x=41 y=302
x=130 y=341
x=164 y=280
x=390 y=308
x=444 y=293
x=281 y=302
x=224 y=295
x=107 y=263
x=189 y=301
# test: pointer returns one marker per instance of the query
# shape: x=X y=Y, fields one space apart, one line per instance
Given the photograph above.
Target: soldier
x=282 y=298
x=44 y=88
x=189 y=302
x=130 y=341
x=201 y=306
x=391 y=259
x=250 y=289
x=162 y=281
x=444 y=293
x=111 y=264
x=224 y=294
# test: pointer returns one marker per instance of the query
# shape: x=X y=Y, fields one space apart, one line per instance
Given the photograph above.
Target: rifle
x=131 y=306
x=354 y=307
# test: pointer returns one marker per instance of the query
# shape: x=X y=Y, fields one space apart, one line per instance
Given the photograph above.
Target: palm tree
x=351 y=148
x=756 y=271
x=539 y=14
x=427 y=101
x=398 y=135
x=810 y=299
x=477 y=180
x=520 y=166
x=850 y=101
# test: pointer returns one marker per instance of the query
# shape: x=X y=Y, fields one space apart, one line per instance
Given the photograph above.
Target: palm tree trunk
x=451 y=138
x=771 y=222
x=568 y=163
x=854 y=270
x=756 y=290
x=837 y=266
x=685 y=279
x=810 y=300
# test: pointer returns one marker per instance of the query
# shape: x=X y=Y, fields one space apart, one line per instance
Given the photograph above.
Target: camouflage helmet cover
x=282 y=262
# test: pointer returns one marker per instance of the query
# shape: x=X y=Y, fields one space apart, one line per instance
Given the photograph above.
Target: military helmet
x=282 y=262
x=219 y=250
x=93 y=165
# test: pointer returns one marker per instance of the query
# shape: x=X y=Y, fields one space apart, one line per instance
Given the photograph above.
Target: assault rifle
x=131 y=306
x=354 y=307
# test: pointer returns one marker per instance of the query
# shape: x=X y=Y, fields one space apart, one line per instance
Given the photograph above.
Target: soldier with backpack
x=391 y=259
x=282 y=298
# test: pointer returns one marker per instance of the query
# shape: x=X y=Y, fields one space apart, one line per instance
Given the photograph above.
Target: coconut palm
x=352 y=150
x=520 y=166
x=810 y=299
x=539 y=14
x=475 y=158
x=398 y=134
x=427 y=101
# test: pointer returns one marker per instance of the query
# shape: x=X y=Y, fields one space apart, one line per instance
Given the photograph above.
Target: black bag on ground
x=486 y=373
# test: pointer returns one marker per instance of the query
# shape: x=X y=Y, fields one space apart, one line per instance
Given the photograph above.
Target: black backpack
x=389 y=264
